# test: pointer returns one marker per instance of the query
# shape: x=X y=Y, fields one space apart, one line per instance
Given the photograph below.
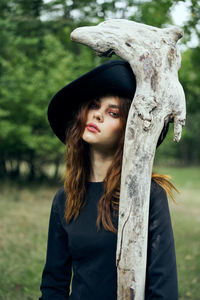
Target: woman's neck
x=100 y=162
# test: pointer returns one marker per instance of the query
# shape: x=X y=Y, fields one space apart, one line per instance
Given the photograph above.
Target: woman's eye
x=114 y=114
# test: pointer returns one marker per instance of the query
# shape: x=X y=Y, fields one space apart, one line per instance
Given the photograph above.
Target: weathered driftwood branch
x=159 y=98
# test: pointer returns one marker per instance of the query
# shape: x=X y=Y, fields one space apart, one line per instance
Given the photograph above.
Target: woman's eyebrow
x=113 y=106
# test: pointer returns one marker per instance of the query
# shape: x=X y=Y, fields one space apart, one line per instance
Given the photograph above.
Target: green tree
x=37 y=58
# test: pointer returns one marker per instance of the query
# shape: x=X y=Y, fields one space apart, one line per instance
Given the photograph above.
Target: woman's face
x=103 y=125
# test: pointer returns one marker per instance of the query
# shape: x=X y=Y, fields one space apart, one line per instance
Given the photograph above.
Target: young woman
x=89 y=116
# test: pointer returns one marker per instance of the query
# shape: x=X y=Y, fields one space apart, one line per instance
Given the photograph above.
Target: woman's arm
x=56 y=275
x=161 y=277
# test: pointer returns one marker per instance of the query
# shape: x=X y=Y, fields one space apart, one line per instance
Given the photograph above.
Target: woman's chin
x=89 y=137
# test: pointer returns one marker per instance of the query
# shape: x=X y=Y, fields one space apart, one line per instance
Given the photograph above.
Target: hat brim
x=113 y=77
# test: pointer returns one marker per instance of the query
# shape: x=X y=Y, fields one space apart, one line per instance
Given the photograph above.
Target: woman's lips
x=93 y=128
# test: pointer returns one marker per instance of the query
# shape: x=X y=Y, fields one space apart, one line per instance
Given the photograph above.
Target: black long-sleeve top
x=92 y=253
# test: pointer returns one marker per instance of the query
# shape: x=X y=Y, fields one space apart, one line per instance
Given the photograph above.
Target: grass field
x=24 y=214
x=186 y=223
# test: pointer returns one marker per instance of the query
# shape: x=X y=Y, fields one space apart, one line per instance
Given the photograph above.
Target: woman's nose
x=98 y=115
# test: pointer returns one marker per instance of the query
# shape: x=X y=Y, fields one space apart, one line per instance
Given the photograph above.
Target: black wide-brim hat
x=114 y=77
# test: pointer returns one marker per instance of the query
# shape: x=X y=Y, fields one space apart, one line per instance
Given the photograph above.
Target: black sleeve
x=161 y=277
x=56 y=275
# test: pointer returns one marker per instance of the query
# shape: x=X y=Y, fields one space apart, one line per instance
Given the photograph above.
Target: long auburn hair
x=77 y=170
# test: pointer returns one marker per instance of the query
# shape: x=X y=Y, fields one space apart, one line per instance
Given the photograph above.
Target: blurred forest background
x=37 y=58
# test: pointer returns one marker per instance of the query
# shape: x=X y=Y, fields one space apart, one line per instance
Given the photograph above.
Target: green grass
x=186 y=224
x=24 y=217
x=24 y=214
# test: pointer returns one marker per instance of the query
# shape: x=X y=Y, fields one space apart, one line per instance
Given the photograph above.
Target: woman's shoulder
x=59 y=199
x=158 y=196
x=159 y=212
x=156 y=188
x=162 y=189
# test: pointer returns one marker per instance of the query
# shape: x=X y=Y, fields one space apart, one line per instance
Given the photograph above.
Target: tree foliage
x=37 y=58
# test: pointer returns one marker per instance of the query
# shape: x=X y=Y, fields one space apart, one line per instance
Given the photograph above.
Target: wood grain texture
x=159 y=98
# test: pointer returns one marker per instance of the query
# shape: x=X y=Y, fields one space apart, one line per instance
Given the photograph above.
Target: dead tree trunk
x=159 y=98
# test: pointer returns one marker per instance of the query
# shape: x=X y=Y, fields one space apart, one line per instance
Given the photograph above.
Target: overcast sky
x=180 y=13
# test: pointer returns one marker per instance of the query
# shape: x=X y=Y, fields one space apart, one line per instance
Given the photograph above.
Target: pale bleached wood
x=159 y=97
